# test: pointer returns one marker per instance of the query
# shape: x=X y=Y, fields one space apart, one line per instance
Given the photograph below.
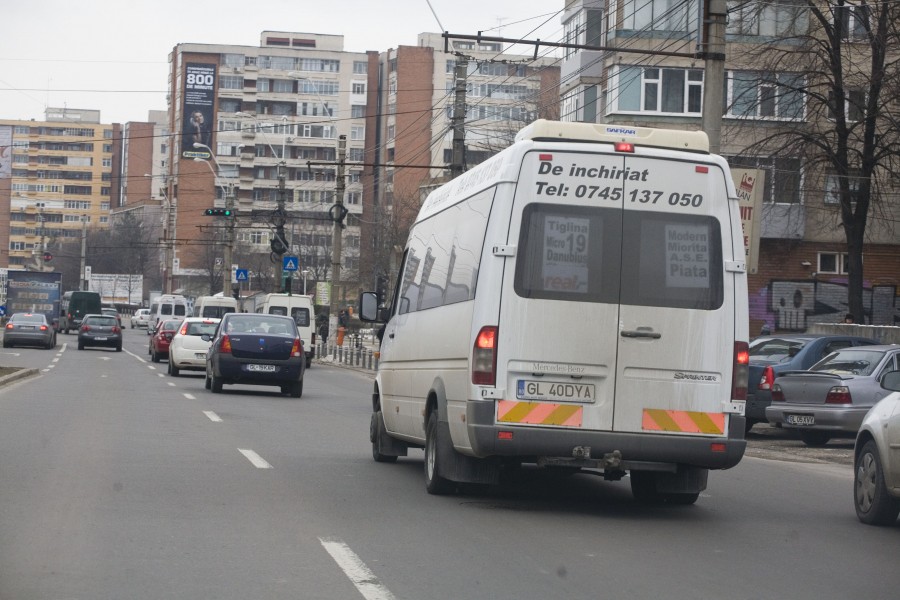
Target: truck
x=33 y=291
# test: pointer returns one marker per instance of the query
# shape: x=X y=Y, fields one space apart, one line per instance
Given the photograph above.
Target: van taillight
x=767 y=379
x=741 y=371
x=297 y=348
x=225 y=345
x=839 y=394
x=624 y=147
x=484 y=357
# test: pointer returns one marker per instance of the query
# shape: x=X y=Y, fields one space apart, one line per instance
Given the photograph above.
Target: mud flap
x=387 y=445
x=461 y=468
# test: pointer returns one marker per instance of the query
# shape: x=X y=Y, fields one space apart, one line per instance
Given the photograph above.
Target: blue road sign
x=290 y=263
x=2 y=311
x=241 y=274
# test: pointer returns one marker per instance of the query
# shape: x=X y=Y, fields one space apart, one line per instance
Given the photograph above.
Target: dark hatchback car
x=29 y=329
x=772 y=355
x=256 y=349
x=100 y=330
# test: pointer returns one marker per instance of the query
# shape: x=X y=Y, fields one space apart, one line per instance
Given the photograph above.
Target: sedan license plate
x=528 y=389
x=803 y=420
x=200 y=355
x=261 y=368
x=100 y=339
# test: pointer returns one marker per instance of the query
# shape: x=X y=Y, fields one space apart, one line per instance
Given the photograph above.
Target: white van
x=167 y=306
x=301 y=308
x=214 y=307
x=579 y=300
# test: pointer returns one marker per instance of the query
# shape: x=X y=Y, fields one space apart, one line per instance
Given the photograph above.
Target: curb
x=20 y=374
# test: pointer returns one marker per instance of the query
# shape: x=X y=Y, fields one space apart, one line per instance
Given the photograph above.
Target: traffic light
x=219 y=212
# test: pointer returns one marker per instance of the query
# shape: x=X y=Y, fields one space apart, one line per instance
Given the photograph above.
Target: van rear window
x=593 y=254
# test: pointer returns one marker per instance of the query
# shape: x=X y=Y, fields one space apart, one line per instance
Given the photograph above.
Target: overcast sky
x=112 y=55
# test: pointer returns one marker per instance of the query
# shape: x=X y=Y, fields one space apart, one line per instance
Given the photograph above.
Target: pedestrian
x=848 y=318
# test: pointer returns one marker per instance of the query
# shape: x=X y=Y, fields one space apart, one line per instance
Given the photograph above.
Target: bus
x=74 y=305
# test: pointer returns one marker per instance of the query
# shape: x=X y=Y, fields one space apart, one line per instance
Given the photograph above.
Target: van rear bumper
x=531 y=442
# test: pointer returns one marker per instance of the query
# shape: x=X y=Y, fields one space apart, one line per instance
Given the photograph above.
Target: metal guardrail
x=350 y=354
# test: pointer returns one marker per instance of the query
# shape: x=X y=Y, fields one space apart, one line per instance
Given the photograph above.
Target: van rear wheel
x=434 y=483
x=643 y=488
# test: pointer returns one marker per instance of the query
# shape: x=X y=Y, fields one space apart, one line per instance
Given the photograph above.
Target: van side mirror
x=891 y=381
x=368 y=308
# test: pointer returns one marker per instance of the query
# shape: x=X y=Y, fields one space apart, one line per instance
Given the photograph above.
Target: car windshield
x=25 y=318
x=270 y=325
x=775 y=348
x=101 y=321
x=850 y=362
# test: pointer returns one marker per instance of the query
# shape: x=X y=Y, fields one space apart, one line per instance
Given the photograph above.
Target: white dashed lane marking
x=255 y=459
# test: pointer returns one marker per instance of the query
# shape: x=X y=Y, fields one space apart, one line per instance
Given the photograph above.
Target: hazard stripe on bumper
x=539 y=413
x=684 y=421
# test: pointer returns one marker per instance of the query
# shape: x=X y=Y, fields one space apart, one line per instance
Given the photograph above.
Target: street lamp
x=229 y=228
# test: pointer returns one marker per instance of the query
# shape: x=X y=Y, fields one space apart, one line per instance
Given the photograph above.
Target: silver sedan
x=876 y=489
x=29 y=329
x=834 y=395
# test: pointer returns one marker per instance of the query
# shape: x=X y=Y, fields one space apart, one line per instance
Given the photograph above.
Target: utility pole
x=712 y=49
x=279 y=244
x=457 y=123
x=229 y=241
x=337 y=216
x=83 y=283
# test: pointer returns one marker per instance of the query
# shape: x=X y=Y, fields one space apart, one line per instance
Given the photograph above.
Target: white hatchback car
x=140 y=318
x=876 y=487
x=188 y=348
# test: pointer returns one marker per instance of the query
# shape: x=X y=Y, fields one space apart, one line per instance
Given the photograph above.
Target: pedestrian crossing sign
x=290 y=263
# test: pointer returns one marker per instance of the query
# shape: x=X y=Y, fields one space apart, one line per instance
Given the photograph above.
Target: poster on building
x=118 y=288
x=750 y=184
x=198 y=110
x=6 y=151
x=565 y=257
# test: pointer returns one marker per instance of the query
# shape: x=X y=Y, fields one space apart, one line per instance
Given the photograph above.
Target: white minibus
x=579 y=300
x=301 y=309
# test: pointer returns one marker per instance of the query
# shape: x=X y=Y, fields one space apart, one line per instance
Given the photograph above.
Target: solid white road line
x=213 y=417
x=255 y=459
x=356 y=570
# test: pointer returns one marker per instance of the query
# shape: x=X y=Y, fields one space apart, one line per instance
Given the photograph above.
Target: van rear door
x=614 y=316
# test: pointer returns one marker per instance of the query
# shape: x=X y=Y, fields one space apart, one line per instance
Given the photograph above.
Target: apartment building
x=238 y=114
x=409 y=139
x=801 y=276
x=60 y=181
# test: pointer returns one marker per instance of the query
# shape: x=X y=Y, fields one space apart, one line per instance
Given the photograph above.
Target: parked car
x=140 y=318
x=188 y=348
x=161 y=338
x=100 y=330
x=834 y=395
x=876 y=488
x=29 y=329
x=773 y=355
x=256 y=349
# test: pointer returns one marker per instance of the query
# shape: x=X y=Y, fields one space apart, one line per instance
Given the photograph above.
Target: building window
x=782 y=180
x=360 y=67
x=853 y=20
x=755 y=95
x=833 y=263
x=354 y=197
x=656 y=90
x=357 y=132
x=231 y=82
x=357 y=111
x=774 y=18
x=358 y=88
x=853 y=107
x=833 y=189
x=660 y=15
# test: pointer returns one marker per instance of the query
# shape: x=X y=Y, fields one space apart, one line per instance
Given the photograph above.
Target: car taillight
x=44 y=328
x=777 y=394
x=183 y=330
x=9 y=325
x=85 y=327
x=839 y=394
x=741 y=373
x=312 y=339
x=484 y=357
x=116 y=329
x=225 y=345
x=297 y=348
x=767 y=379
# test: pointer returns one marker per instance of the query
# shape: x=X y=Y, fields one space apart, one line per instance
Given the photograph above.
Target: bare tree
x=833 y=67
